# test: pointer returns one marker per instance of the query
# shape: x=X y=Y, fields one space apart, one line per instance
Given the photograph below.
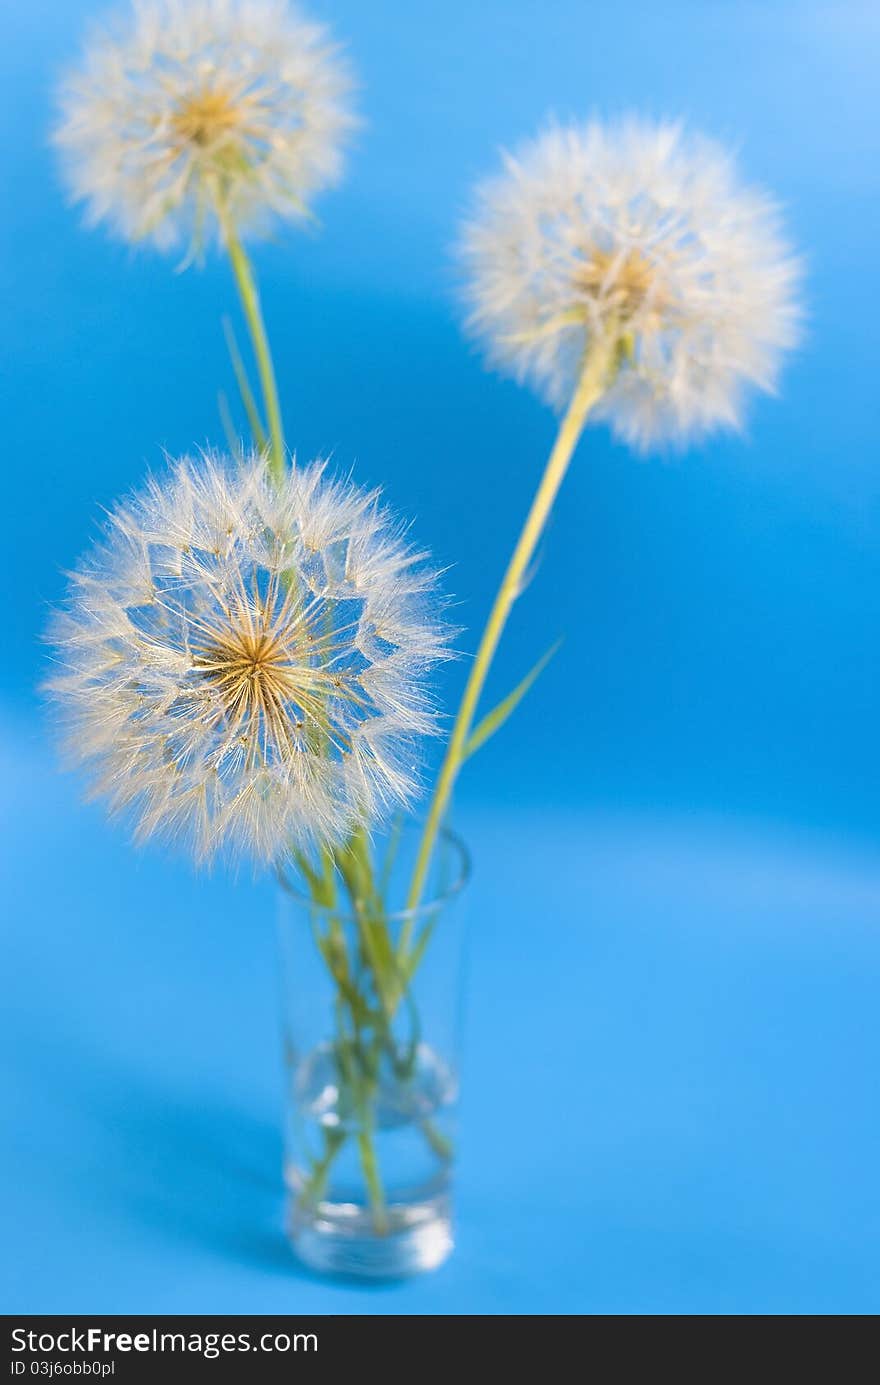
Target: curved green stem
x=250 y=302
x=597 y=369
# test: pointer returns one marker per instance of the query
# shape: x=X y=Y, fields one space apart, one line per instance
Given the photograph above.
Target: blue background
x=671 y=1087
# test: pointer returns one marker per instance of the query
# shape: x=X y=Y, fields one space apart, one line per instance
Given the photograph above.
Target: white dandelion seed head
x=189 y=116
x=243 y=665
x=641 y=235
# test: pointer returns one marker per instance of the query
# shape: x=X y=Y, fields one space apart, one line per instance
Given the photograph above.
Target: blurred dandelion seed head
x=196 y=116
x=244 y=665
x=639 y=233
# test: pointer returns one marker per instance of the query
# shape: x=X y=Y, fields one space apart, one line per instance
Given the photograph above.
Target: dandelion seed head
x=188 y=117
x=642 y=236
x=243 y=664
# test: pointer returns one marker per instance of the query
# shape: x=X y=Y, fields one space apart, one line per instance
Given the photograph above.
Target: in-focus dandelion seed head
x=244 y=665
x=638 y=234
x=188 y=116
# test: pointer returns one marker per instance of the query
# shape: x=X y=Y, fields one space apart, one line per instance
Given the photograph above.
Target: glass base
x=341 y=1239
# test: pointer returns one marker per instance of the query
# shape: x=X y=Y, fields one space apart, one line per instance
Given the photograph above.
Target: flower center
x=622 y=283
x=205 y=118
x=257 y=675
x=273 y=677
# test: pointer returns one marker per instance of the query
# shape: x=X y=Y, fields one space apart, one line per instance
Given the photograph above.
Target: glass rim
x=347 y=915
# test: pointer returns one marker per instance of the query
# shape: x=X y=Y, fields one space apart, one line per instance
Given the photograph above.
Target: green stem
x=597 y=369
x=313 y=1189
x=439 y=1143
x=370 y=1166
x=250 y=302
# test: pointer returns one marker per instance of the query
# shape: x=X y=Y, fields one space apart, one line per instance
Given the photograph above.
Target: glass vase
x=371 y=997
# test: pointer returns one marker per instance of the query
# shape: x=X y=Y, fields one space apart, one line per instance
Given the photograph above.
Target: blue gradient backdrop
x=671 y=1087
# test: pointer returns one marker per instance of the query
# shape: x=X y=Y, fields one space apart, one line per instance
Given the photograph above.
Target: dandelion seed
x=192 y=117
x=243 y=664
x=642 y=236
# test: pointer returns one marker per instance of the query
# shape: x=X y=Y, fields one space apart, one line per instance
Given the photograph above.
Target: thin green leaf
x=495 y=719
x=411 y=962
x=320 y=887
x=244 y=386
x=390 y=855
x=232 y=440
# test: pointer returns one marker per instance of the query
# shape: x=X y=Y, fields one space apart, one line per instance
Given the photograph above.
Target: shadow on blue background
x=671 y=1090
